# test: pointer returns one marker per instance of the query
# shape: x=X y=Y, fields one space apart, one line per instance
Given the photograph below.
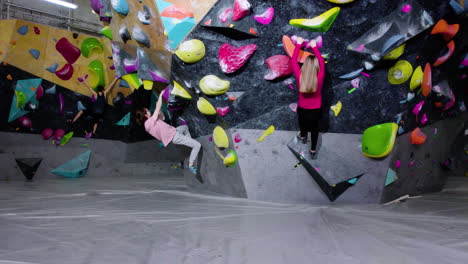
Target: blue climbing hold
x=124 y=83
x=120 y=6
x=352 y=74
x=74 y=168
x=125 y=121
x=51 y=90
x=391 y=177
x=353 y=180
x=53 y=68
x=23 y=30
x=80 y=106
x=35 y=53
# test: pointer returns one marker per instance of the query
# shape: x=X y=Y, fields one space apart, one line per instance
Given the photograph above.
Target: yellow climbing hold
x=205 y=107
x=191 y=51
x=178 y=90
x=400 y=72
x=417 y=78
x=132 y=80
x=340 y=1
x=337 y=108
x=230 y=159
x=148 y=85
x=265 y=134
x=212 y=85
x=321 y=23
x=396 y=53
x=220 y=137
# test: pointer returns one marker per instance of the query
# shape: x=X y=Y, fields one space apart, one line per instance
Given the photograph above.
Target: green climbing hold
x=400 y=72
x=74 y=168
x=220 y=137
x=65 y=139
x=132 y=80
x=378 y=141
x=90 y=46
x=107 y=32
x=205 y=107
x=230 y=159
x=20 y=99
x=125 y=121
x=321 y=23
x=96 y=74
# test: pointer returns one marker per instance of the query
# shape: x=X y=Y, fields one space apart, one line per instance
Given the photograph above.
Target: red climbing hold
x=417 y=137
x=241 y=9
x=278 y=66
x=208 y=22
x=446 y=56
x=231 y=58
x=426 y=85
x=65 y=73
x=39 y=92
x=68 y=51
x=37 y=31
x=222 y=111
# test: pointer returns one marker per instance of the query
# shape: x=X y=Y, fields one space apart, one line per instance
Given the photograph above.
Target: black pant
x=309 y=122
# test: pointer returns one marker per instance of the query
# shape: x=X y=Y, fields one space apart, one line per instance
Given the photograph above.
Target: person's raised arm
x=85 y=82
x=158 y=106
x=321 y=61
x=295 y=64
x=110 y=86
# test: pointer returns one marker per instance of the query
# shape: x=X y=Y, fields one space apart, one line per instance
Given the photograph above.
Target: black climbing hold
x=29 y=166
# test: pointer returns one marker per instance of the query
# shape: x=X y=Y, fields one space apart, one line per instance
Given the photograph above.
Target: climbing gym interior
x=97 y=96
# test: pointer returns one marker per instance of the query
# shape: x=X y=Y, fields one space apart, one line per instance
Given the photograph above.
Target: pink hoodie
x=160 y=129
x=309 y=100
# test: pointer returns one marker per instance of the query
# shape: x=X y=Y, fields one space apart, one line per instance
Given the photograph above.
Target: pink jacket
x=160 y=129
x=309 y=100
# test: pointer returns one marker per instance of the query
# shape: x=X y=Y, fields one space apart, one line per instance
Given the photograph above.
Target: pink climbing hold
x=47 y=133
x=88 y=135
x=241 y=9
x=417 y=108
x=224 y=16
x=222 y=111
x=406 y=8
x=411 y=163
x=65 y=73
x=397 y=164
x=450 y=103
x=68 y=51
x=360 y=47
x=355 y=82
x=266 y=17
x=39 y=92
x=278 y=66
x=25 y=122
x=424 y=119
x=58 y=135
x=231 y=58
x=37 y=31
x=293 y=107
x=237 y=138
x=61 y=102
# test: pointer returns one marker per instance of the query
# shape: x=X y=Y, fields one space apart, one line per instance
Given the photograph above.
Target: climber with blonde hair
x=309 y=81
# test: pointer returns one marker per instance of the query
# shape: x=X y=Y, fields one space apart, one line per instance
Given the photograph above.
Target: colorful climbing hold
x=391 y=177
x=66 y=72
x=266 y=133
x=90 y=46
x=222 y=111
x=241 y=9
x=352 y=74
x=355 y=82
x=396 y=53
x=205 y=107
x=237 y=138
x=53 y=68
x=220 y=137
x=289 y=49
x=58 y=134
x=213 y=85
x=140 y=36
x=23 y=30
x=66 y=138
x=426 y=85
x=125 y=34
x=177 y=12
x=336 y=108
x=266 y=17
x=340 y=1
x=107 y=32
x=321 y=23
x=74 y=168
x=35 y=53
x=416 y=79
x=279 y=66
x=20 y=99
x=417 y=108
x=124 y=121
x=178 y=90
x=400 y=72
x=442 y=59
x=9 y=77
x=132 y=80
x=39 y=92
x=424 y=119
x=397 y=164
x=230 y=159
x=47 y=133
x=191 y=51
x=378 y=140
x=25 y=122
x=447 y=31
x=231 y=58
x=417 y=137
x=406 y=8
x=120 y=6
x=37 y=31
x=68 y=50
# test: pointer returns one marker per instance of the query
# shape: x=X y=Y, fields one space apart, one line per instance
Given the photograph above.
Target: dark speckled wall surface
x=266 y=103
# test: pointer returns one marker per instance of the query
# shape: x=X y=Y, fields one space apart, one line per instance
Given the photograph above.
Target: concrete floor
x=153 y=219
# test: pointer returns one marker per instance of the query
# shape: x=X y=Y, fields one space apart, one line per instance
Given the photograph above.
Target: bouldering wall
x=369 y=100
x=33 y=48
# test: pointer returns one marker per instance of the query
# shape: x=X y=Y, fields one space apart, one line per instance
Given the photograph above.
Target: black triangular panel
x=29 y=166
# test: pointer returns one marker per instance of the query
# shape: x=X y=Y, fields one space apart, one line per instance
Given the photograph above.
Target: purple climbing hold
x=61 y=102
x=158 y=78
x=417 y=108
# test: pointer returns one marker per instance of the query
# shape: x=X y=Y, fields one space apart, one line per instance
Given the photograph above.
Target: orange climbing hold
x=252 y=31
x=447 y=31
x=9 y=77
x=176 y=12
x=426 y=85
x=417 y=137
x=446 y=56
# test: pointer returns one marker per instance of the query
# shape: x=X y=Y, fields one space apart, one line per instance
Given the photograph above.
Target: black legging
x=309 y=122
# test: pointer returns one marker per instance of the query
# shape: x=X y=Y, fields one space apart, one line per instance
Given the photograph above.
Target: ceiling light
x=62 y=3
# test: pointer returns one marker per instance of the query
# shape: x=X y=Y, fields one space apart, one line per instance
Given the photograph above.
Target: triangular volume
x=147 y=70
x=391 y=177
x=125 y=121
x=74 y=168
x=23 y=87
x=29 y=166
x=177 y=20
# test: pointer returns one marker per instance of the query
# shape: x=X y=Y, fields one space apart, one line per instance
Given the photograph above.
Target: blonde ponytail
x=309 y=70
